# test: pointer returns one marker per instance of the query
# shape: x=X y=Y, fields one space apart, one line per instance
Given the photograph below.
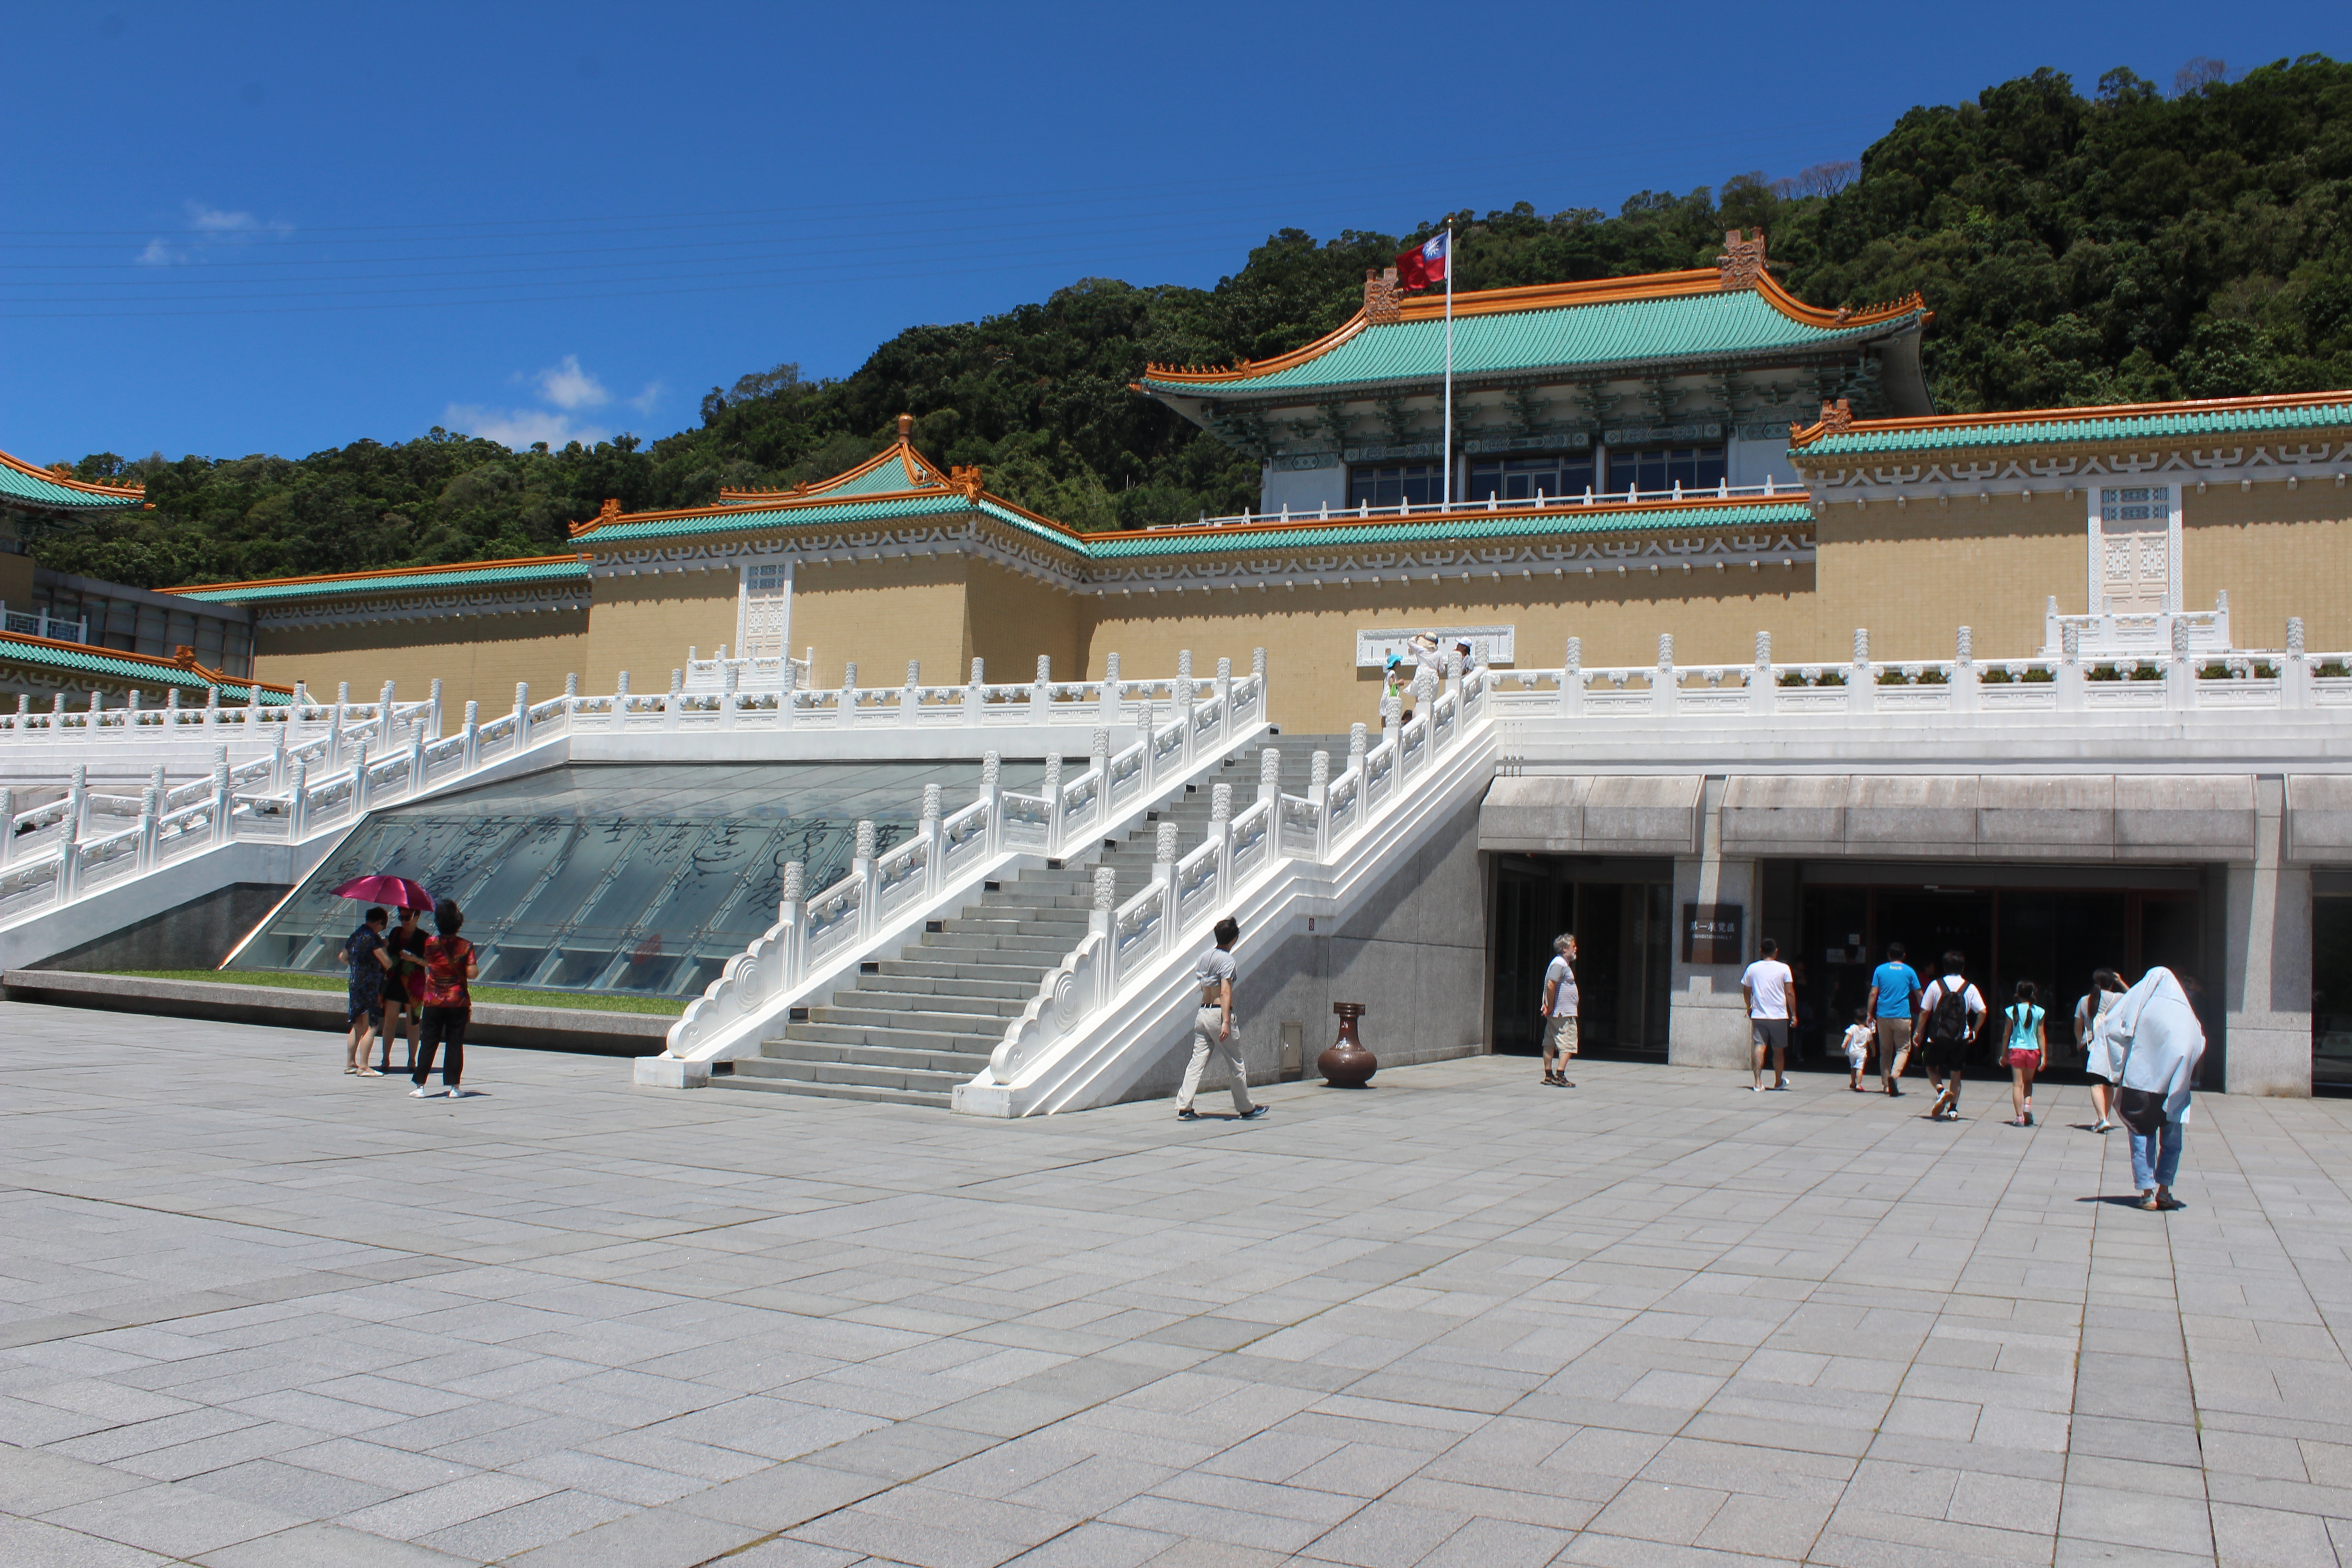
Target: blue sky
x=245 y=228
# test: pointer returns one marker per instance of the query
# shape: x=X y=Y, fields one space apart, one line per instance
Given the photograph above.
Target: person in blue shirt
x=1893 y=1005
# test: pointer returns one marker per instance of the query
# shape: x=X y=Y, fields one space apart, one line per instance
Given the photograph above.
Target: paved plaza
x=257 y=1313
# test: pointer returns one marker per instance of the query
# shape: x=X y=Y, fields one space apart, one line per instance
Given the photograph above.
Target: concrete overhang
x=2076 y=818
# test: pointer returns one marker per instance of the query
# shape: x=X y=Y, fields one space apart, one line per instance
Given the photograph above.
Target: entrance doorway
x=1621 y=913
x=2052 y=936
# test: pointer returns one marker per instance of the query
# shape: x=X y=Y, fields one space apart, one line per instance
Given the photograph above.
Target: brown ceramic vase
x=1346 y=1065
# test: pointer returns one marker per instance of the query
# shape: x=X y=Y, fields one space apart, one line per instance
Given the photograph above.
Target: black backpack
x=1948 y=1023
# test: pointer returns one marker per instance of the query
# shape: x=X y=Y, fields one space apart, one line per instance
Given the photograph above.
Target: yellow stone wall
x=1010 y=617
x=1914 y=574
x=878 y=615
x=645 y=624
x=2280 y=553
x=1911 y=574
x=1309 y=633
x=474 y=656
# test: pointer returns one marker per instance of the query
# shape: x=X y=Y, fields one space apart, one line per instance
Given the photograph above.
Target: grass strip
x=579 y=1001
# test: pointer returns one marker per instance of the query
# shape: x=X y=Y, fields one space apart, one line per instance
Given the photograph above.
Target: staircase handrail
x=1126 y=947
x=818 y=936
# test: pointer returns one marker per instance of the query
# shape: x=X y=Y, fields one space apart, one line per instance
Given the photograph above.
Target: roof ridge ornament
x=1381 y=297
x=1741 y=265
x=967 y=480
x=1836 y=417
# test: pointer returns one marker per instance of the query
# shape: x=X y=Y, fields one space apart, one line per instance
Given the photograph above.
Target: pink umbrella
x=394 y=892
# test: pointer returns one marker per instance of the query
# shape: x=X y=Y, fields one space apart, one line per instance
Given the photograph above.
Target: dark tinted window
x=1663 y=467
x=1389 y=484
x=1524 y=479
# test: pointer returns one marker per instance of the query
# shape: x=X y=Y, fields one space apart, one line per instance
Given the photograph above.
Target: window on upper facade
x=1663 y=467
x=1524 y=479
x=1422 y=484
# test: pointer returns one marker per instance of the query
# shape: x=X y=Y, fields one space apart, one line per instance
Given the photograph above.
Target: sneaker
x=1187 y=1113
x=1755 y=1088
x=2029 y=1120
x=455 y=1093
x=1777 y=1088
x=1253 y=1113
x=420 y=1092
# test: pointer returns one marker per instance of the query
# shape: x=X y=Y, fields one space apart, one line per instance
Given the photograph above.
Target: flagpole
x=1449 y=365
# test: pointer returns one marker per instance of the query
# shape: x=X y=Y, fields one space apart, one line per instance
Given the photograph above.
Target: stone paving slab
x=254 y=1312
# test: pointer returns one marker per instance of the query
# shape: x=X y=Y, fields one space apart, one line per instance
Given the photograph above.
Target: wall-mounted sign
x=1711 y=932
x=1644 y=435
x=1488 y=645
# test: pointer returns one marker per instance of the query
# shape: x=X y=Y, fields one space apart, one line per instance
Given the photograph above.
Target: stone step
x=940 y=967
x=982 y=941
x=858 y=1074
x=927 y=1099
x=1010 y=922
x=965 y=1063
x=894 y=981
x=904 y=1040
x=956 y=1016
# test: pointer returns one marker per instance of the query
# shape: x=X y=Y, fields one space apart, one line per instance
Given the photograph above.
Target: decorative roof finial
x=1380 y=297
x=1741 y=265
x=1837 y=416
x=611 y=510
x=905 y=429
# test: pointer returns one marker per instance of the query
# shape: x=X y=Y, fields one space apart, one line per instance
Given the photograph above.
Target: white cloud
x=566 y=386
x=210 y=230
x=518 y=427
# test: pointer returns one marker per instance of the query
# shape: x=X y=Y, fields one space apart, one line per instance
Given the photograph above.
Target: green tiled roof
x=1238 y=537
x=489 y=574
x=941 y=505
x=135 y=672
x=25 y=488
x=2084 y=427
x=891 y=474
x=1401 y=531
x=1688 y=327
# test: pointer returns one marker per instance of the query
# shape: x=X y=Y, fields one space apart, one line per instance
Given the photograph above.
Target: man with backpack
x=1951 y=1016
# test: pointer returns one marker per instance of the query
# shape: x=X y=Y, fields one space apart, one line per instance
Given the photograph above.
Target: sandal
x=2148 y=1201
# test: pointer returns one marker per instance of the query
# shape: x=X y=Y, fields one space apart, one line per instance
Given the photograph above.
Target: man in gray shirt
x=1213 y=1028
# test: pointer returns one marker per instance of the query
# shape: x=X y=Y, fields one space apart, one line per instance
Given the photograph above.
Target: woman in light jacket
x=2152 y=1037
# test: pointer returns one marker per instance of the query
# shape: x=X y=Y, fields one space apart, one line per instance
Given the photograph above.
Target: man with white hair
x=1560 y=1011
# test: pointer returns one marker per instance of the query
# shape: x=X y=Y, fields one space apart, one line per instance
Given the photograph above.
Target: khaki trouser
x=1204 y=1042
x=1893 y=1047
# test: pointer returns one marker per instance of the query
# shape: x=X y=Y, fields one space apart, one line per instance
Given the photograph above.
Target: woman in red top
x=447 y=1003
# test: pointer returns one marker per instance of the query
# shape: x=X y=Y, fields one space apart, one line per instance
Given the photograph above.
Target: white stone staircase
x=909 y=1029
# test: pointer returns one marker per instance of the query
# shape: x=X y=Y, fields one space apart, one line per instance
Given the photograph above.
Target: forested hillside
x=2131 y=245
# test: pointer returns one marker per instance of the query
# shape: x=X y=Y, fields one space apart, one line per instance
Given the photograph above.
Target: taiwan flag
x=1424 y=264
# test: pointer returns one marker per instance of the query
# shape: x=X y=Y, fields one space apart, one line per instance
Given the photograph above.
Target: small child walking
x=2028 y=1051
x=1860 y=1036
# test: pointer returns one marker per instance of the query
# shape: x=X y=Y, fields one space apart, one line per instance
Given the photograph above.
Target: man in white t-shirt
x=1767 y=988
x=1560 y=1011
x=1951 y=1016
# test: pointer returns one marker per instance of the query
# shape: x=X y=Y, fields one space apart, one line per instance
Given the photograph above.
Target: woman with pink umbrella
x=375 y=965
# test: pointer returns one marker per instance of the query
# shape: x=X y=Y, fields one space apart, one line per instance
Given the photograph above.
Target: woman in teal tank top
x=2026 y=1051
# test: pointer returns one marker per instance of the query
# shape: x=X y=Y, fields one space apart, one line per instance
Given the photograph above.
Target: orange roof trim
x=120 y=492
x=1552 y=297
x=379 y=572
x=1820 y=428
x=1790 y=496
x=902 y=447
x=183 y=664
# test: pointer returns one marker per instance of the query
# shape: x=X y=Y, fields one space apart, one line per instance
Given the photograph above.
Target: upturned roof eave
x=1818 y=446
x=1241 y=394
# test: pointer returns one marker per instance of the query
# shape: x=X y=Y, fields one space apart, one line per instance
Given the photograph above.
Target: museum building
x=1692 y=456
